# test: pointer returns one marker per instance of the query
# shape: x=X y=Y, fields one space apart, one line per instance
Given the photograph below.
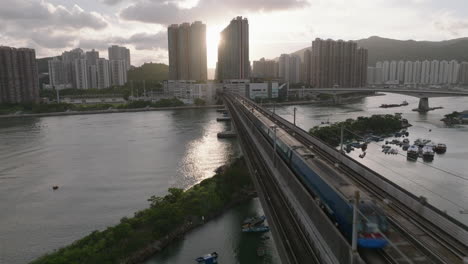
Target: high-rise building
x=386 y=71
x=434 y=74
x=187 y=51
x=306 y=66
x=80 y=71
x=453 y=68
x=417 y=72
x=68 y=59
x=120 y=53
x=393 y=71
x=443 y=72
x=118 y=72
x=338 y=63
x=463 y=73
x=295 y=69
x=19 y=82
x=57 y=72
x=233 y=51
x=283 y=66
x=408 y=72
x=264 y=69
x=371 y=75
x=425 y=72
x=92 y=57
x=103 y=73
x=401 y=72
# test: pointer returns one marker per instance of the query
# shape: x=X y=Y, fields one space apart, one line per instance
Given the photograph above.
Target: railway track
x=418 y=240
x=299 y=249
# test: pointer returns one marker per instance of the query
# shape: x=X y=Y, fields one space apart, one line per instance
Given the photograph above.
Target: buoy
x=55 y=187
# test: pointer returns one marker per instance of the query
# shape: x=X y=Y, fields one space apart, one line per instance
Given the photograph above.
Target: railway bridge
x=304 y=229
x=422 y=94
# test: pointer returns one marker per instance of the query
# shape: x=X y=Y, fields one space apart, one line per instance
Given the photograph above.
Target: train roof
x=323 y=168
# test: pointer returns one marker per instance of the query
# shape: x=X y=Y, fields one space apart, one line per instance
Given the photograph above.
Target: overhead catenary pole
x=341 y=138
x=355 y=226
x=274 y=146
x=295 y=109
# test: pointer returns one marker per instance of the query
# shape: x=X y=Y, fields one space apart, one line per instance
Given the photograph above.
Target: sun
x=212 y=40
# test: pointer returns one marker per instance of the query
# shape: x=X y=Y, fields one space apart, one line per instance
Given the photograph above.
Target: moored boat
x=413 y=153
x=254 y=220
x=440 y=148
x=255 y=229
x=428 y=153
x=208 y=258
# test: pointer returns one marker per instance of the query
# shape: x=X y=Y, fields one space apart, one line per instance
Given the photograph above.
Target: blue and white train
x=333 y=190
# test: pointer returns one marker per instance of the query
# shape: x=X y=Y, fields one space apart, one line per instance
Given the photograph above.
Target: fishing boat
x=428 y=153
x=440 y=148
x=254 y=220
x=208 y=258
x=413 y=153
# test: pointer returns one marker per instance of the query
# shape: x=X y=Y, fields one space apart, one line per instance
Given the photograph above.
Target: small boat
x=393 y=151
x=406 y=141
x=405 y=146
x=208 y=258
x=440 y=148
x=55 y=187
x=254 y=220
x=255 y=229
x=404 y=103
x=413 y=153
x=428 y=153
x=362 y=155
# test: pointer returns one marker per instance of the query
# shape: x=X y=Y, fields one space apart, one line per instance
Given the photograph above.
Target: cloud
x=111 y=2
x=33 y=14
x=455 y=27
x=168 y=12
x=141 y=41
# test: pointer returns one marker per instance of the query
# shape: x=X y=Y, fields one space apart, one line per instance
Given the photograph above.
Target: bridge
x=303 y=226
x=422 y=94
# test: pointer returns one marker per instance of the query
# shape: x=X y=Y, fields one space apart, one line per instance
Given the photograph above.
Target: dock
x=227 y=134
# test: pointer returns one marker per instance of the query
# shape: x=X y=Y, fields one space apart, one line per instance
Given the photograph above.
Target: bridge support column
x=336 y=99
x=423 y=104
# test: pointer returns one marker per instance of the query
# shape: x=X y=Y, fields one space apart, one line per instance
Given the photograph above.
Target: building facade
x=233 y=51
x=266 y=69
x=19 y=82
x=187 y=51
x=338 y=63
x=120 y=53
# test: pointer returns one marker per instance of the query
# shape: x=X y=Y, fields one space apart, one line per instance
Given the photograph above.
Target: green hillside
x=149 y=72
x=392 y=49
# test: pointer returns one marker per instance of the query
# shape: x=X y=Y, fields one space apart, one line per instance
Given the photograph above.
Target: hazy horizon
x=276 y=26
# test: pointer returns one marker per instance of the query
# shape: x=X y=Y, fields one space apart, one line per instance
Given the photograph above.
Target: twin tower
x=187 y=51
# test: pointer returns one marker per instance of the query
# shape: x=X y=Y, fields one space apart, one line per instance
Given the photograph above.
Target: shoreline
x=150 y=109
x=111 y=111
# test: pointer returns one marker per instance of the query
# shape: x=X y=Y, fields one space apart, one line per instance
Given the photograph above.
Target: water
x=444 y=181
x=223 y=236
x=106 y=167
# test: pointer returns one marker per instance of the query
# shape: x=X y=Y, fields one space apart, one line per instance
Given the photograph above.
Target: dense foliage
x=376 y=124
x=63 y=107
x=149 y=71
x=165 y=214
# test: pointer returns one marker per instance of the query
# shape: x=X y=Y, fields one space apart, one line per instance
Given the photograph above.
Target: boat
x=413 y=153
x=405 y=146
x=254 y=220
x=208 y=258
x=55 y=187
x=428 y=153
x=404 y=103
x=421 y=142
x=440 y=148
x=406 y=141
x=255 y=229
x=393 y=151
x=362 y=155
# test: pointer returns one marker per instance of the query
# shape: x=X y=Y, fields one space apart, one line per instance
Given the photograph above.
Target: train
x=332 y=190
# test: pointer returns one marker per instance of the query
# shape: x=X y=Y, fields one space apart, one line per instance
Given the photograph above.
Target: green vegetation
x=166 y=214
x=63 y=107
x=376 y=124
x=199 y=102
x=149 y=72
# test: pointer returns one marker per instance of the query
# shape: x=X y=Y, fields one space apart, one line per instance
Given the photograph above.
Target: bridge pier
x=423 y=104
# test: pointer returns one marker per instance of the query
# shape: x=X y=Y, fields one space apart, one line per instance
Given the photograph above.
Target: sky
x=276 y=26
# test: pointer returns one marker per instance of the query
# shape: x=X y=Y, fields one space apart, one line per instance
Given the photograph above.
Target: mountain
x=149 y=72
x=381 y=49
